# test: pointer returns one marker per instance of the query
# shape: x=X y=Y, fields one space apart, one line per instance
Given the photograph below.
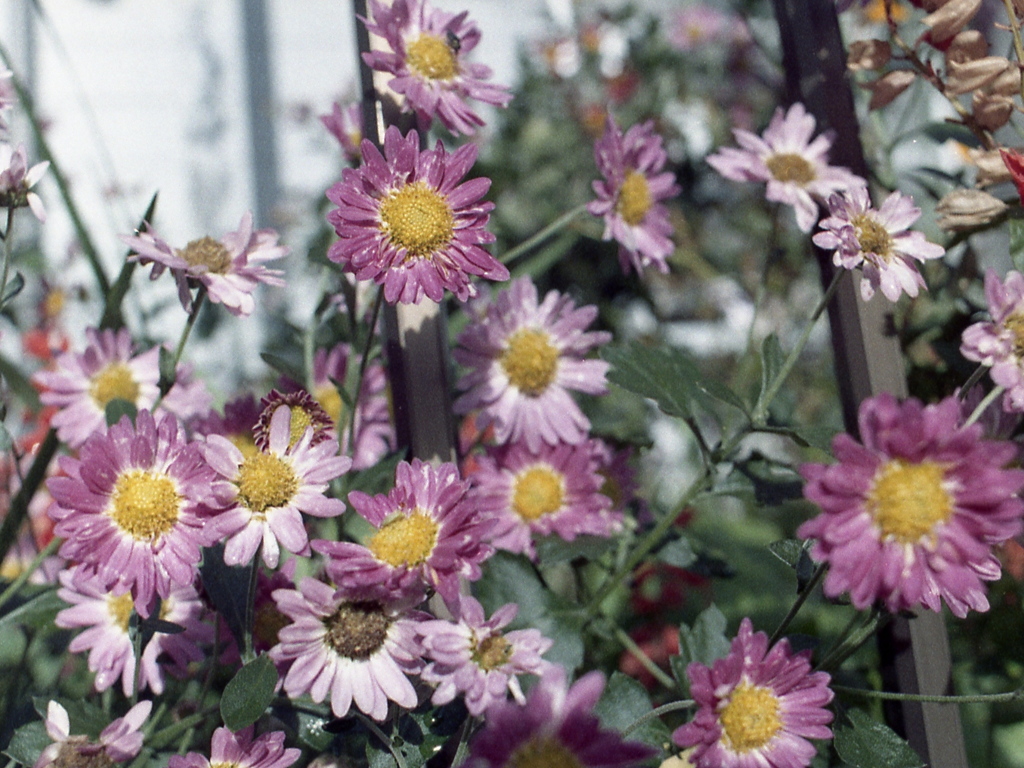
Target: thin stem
x=248 y=654
x=364 y=360
x=469 y=727
x=197 y=304
x=848 y=647
x=164 y=736
x=973 y=379
x=18 y=511
x=1018 y=43
x=766 y=397
x=8 y=254
x=373 y=727
x=801 y=598
x=14 y=586
x=985 y=403
x=981 y=698
x=529 y=244
x=640 y=655
x=664 y=709
x=134 y=622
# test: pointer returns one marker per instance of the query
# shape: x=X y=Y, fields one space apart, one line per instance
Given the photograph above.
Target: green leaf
x=625 y=701
x=667 y=376
x=117 y=409
x=28 y=742
x=227 y=586
x=772 y=358
x=288 y=368
x=788 y=551
x=249 y=693
x=311 y=730
x=867 y=743
x=168 y=370
x=554 y=549
x=1017 y=243
x=38 y=612
x=14 y=287
x=704 y=642
x=6 y=441
x=84 y=717
x=678 y=553
x=19 y=384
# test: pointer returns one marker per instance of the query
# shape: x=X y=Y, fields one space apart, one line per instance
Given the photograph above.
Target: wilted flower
x=119 y=742
x=17 y=180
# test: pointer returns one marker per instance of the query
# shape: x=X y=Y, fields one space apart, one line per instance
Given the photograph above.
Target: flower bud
x=970 y=75
x=950 y=18
x=886 y=88
x=990 y=165
x=991 y=111
x=968 y=208
x=968 y=45
x=868 y=54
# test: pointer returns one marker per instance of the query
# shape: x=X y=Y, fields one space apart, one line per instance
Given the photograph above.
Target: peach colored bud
x=971 y=75
x=968 y=45
x=990 y=165
x=967 y=209
x=868 y=54
x=888 y=87
x=1008 y=83
x=950 y=18
x=991 y=111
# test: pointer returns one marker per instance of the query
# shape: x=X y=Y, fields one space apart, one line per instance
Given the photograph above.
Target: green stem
x=469 y=726
x=848 y=646
x=197 y=304
x=528 y=245
x=764 y=401
x=801 y=598
x=973 y=379
x=18 y=511
x=25 y=575
x=375 y=729
x=166 y=735
x=136 y=635
x=640 y=655
x=981 y=698
x=8 y=254
x=985 y=403
x=364 y=360
x=664 y=709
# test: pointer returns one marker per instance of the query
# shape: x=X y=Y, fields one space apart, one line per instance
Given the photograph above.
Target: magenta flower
x=999 y=343
x=104 y=617
x=428 y=535
x=428 y=58
x=230 y=268
x=267 y=491
x=355 y=651
x=910 y=516
x=83 y=384
x=524 y=357
x=119 y=742
x=346 y=125
x=17 y=180
x=407 y=223
x=629 y=197
x=475 y=658
x=555 y=490
x=133 y=508
x=237 y=424
x=556 y=726
x=879 y=241
x=758 y=707
x=240 y=750
x=305 y=412
x=795 y=168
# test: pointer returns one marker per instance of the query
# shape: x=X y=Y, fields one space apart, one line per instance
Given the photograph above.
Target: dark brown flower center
x=788 y=166
x=357 y=630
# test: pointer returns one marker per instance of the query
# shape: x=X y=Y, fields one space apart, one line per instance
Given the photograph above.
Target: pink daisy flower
x=428 y=534
x=240 y=750
x=17 y=180
x=555 y=490
x=355 y=651
x=999 y=343
x=524 y=357
x=910 y=516
x=879 y=241
x=104 y=618
x=346 y=125
x=757 y=706
x=555 y=726
x=629 y=197
x=266 y=492
x=305 y=412
x=83 y=384
x=795 y=168
x=133 y=508
x=407 y=223
x=119 y=742
x=230 y=268
x=428 y=58
x=475 y=658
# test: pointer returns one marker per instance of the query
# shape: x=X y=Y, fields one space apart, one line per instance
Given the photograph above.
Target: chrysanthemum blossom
x=346 y=125
x=428 y=56
x=877 y=240
x=428 y=535
x=266 y=492
x=84 y=383
x=355 y=651
x=236 y=424
x=305 y=412
x=133 y=508
x=630 y=196
x=230 y=268
x=910 y=515
x=104 y=619
x=999 y=343
x=473 y=657
x=241 y=750
x=17 y=180
x=408 y=222
x=757 y=706
x=795 y=168
x=556 y=726
x=555 y=490
x=119 y=742
x=523 y=359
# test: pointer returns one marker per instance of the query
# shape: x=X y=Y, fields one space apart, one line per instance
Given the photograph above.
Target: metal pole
x=260 y=92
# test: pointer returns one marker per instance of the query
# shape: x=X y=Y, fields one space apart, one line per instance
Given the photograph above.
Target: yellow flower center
x=405 y=539
x=145 y=505
x=115 y=382
x=223 y=765
x=431 y=57
x=207 y=252
x=634 y=198
x=245 y=443
x=331 y=402
x=872 y=236
x=537 y=491
x=265 y=481
x=417 y=218
x=120 y=608
x=1015 y=325
x=530 y=361
x=356 y=630
x=543 y=752
x=750 y=719
x=491 y=652
x=909 y=500
x=788 y=166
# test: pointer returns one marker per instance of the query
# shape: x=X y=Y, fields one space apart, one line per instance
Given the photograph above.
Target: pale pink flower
x=120 y=741
x=999 y=343
x=241 y=750
x=346 y=125
x=17 y=180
